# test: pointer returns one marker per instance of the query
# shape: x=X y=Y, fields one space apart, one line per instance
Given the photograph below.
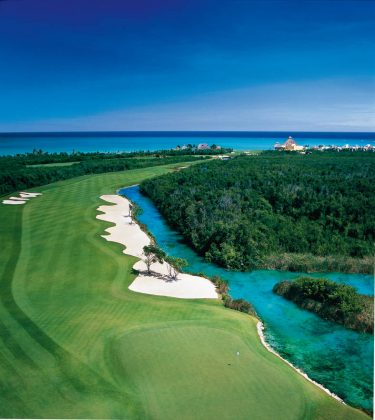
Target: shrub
x=241 y=305
x=330 y=300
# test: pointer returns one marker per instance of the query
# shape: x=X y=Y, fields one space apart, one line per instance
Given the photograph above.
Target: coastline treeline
x=330 y=300
x=15 y=174
x=40 y=157
x=291 y=212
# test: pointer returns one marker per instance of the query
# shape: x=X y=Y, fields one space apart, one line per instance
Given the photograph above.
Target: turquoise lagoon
x=339 y=359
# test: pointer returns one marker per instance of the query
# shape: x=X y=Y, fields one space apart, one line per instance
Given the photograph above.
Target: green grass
x=76 y=343
x=53 y=164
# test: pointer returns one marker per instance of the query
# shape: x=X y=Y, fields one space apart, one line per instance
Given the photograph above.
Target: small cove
x=339 y=359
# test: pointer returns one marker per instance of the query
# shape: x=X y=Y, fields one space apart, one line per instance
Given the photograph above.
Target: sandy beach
x=129 y=234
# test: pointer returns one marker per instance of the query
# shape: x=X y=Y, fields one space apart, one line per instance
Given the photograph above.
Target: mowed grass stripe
x=37 y=335
x=117 y=354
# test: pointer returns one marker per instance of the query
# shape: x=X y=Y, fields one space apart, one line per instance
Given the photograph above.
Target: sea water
x=338 y=358
x=13 y=143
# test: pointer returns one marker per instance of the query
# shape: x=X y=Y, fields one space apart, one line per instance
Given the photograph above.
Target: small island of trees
x=332 y=301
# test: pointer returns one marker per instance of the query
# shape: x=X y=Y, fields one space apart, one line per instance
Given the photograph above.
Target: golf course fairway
x=76 y=343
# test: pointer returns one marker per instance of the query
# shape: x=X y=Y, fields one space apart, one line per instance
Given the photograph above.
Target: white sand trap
x=134 y=239
x=125 y=233
x=24 y=196
x=29 y=194
x=185 y=286
x=19 y=198
x=14 y=202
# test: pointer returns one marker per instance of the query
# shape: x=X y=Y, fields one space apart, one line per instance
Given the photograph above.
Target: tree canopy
x=17 y=174
x=296 y=212
x=153 y=254
x=175 y=265
x=330 y=300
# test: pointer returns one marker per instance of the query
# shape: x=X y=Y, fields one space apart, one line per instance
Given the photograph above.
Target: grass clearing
x=76 y=343
x=48 y=165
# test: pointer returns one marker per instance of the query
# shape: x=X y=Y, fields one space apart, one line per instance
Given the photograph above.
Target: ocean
x=13 y=143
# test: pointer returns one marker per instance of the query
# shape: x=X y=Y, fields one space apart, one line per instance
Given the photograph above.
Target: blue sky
x=187 y=65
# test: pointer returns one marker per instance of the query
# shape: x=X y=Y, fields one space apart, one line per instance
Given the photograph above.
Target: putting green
x=76 y=343
x=195 y=371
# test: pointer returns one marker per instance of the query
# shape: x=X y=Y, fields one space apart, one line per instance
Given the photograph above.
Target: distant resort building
x=203 y=146
x=289 y=145
x=200 y=146
x=345 y=148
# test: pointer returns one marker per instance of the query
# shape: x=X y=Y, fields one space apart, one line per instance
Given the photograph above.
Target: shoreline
x=311 y=270
x=260 y=330
x=116 y=235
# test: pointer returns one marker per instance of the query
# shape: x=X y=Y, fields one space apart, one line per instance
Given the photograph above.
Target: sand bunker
x=124 y=232
x=29 y=194
x=24 y=196
x=130 y=235
x=185 y=286
x=13 y=202
x=18 y=198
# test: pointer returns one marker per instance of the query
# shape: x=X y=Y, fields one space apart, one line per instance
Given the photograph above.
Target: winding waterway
x=339 y=359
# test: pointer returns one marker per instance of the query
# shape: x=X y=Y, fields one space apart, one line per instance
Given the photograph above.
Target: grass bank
x=76 y=343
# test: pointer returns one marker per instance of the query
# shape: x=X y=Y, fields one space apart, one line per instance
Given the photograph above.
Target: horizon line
x=179 y=132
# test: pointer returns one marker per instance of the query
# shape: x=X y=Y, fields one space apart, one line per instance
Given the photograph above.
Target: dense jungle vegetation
x=276 y=210
x=17 y=174
x=330 y=300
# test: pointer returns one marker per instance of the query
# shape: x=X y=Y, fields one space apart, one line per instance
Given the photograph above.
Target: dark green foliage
x=240 y=305
x=15 y=175
x=153 y=254
x=282 y=211
x=330 y=300
x=221 y=285
x=38 y=157
x=297 y=262
x=175 y=265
